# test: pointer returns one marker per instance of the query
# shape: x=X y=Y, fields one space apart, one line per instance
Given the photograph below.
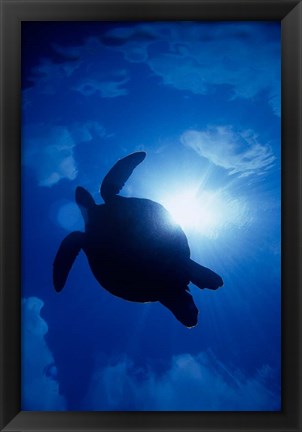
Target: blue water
x=203 y=101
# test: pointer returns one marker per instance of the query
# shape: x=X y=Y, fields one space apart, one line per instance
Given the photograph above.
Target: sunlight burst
x=207 y=212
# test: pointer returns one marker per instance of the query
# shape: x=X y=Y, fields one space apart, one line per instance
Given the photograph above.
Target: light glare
x=207 y=212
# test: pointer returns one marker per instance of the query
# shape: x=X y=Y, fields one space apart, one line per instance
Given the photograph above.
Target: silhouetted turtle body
x=134 y=248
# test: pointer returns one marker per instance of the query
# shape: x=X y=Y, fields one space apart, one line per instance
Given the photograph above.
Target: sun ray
x=207 y=212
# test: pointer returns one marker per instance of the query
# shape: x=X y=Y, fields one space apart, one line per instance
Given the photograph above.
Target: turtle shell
x=135 y=249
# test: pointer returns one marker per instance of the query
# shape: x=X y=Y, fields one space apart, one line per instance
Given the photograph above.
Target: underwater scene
x=151 y=216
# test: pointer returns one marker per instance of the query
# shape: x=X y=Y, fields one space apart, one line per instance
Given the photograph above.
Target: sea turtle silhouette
x=134 y=248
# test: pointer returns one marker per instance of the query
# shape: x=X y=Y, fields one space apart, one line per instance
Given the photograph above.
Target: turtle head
x=84 y=200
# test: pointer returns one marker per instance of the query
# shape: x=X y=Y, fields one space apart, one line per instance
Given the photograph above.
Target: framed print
x=151 y=215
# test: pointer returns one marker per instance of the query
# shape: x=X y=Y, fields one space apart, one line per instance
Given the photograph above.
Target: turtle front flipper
x=203 y=277
x=67 y=253
x=118 y=175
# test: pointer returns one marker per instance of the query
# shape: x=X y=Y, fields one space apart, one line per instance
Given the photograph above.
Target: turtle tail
x=119 y=174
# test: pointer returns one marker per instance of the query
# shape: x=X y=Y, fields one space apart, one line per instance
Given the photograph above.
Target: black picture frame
x=13 y=12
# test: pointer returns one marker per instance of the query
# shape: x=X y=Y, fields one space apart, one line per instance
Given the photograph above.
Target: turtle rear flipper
x=118 y=175
x=182 y=306
x=203 y=277
x=67 y=253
